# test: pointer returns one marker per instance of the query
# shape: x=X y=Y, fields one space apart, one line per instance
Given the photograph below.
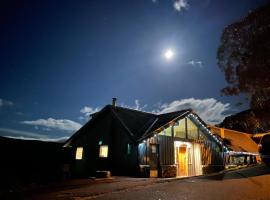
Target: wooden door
x=182 y=161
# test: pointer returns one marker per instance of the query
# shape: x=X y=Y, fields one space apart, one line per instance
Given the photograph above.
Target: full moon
x=168 y=54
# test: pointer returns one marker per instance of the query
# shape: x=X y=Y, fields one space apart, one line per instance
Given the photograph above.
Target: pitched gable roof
x=141 y=123
x=96 y=116
x=165 y=118
x=136 y=121
x=138 y=124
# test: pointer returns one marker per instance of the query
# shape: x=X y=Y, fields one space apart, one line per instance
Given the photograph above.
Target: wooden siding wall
x=166 y=146
x=123 y=163
x=166 y=150
x=211 y=154
x=111 y=133
x=89 y=140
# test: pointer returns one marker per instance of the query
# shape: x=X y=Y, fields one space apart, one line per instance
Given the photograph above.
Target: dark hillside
x=29 y=162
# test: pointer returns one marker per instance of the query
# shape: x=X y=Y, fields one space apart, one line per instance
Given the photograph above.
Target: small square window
x=129 y=148
x=103 y=151
x=79 y=153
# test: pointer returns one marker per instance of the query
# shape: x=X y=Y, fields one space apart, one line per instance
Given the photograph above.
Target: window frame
x=181 y=133
x=190 y=131
x=129 y=149
x=79 y=153
x=101 y=151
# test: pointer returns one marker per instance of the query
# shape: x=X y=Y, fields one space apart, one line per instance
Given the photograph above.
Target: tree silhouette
x=244 y=53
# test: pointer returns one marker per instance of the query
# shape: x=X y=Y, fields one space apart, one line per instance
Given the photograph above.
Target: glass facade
x=192 y=130
x=180 y=129
x=167 y=131
x=185 y=128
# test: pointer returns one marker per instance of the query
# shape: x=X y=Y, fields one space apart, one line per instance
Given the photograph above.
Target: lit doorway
x=181 y=157
x=182 y=160
x=187 y=159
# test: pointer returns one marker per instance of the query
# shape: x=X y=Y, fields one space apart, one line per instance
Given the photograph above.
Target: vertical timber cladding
x=212 y=154
x=157 y=154
x=123 y=152
x=92 y=136
x=166 y=149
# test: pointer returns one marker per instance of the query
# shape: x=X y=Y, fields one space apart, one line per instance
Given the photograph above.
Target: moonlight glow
x=168 y=54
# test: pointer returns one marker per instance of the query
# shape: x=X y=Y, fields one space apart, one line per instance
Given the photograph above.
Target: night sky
x=62 y=60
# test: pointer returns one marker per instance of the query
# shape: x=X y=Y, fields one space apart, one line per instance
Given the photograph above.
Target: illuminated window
x=192 y=130
x=103 y=151
x=79 y=153
x=180 y=129
x=167 y=131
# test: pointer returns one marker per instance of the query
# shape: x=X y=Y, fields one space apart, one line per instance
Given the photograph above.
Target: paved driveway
x=248 y=183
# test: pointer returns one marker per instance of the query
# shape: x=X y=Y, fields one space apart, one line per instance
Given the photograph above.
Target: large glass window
x=79 y=153
x=180 y=129
x=103 y=151
x=167 y=131
x=192 y=130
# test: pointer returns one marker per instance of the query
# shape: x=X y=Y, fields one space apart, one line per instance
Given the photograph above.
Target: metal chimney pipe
x=114 y=101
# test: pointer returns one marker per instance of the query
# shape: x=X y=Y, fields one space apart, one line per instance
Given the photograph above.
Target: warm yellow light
x=79 y=153
x=103 y=151
x=168 y=54
x=153 y=173
x=180 y=143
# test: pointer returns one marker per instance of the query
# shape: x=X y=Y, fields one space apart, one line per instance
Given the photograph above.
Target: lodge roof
x=239 y=141
x=138 y=124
